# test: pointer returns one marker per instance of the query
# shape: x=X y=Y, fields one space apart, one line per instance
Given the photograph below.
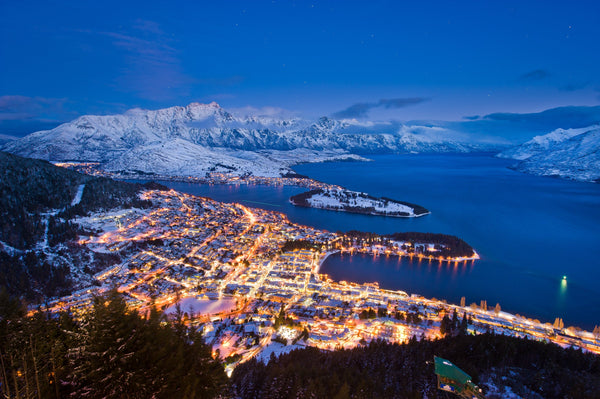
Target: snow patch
x=277 y=349
x=203 y=306
x=78 y=195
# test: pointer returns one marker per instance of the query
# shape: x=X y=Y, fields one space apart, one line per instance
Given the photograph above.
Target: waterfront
x=253 y=289
x=530 y=231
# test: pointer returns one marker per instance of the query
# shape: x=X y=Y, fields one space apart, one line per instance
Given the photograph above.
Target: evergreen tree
x=445 y=326
x=464 y=324
x=454 y=320
x=126 y=356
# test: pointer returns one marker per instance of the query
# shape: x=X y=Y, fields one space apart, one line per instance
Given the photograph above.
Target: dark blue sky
x=433 y=59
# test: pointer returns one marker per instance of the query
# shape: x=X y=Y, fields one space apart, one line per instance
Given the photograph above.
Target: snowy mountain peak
x=204 y=109
x=567 y=153
x=158 y=135
x=559 y=135
x=542 y=143
x=212 y=104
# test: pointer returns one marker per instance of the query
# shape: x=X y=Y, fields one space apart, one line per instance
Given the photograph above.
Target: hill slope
x=38 y=248
x=503 y=366
x=572 y=154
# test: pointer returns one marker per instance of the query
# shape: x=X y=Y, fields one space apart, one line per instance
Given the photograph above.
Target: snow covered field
x=203 y=306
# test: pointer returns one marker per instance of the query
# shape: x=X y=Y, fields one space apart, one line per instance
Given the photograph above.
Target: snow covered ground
x=276 y=349
x=332 y=199
x=78 y=195
x=203 y=306
x=357 y=202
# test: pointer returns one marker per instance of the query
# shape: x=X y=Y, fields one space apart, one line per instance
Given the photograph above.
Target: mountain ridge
x=567 y=153
x=195 y=136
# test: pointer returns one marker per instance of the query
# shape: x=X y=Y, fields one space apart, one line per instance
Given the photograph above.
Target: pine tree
x=125 y=355
x=445 y=326
x=454 y=320
x=464 y=324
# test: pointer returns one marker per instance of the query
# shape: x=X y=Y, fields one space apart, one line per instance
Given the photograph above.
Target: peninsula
x=343 y=200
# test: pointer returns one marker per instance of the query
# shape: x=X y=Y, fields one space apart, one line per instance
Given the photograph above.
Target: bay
x=529 y=231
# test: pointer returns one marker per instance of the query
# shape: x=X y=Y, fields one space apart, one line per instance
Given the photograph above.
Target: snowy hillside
x=182 y=158
x=576 y=158
x=4 y=138
x=540 y=144
x=200 y=137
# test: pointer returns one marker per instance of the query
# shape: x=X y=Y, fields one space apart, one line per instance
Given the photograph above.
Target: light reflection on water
x=527 y=230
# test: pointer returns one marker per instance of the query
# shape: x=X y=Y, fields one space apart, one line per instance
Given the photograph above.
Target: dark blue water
x=529 y=231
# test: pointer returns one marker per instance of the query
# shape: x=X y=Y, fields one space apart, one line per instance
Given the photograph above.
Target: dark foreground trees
x=380 y=370
x=116 y=353
x=113 y=353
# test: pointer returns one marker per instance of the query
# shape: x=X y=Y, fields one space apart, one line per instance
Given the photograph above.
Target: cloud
x=565 y=117
x=574 y=86
x=355 y=111
x=274 y=112
x=535 y=75
x=218 y=97
x=401 y=102
x=150 y=63
x=20 y=115
x=145 y=25
x=518 y=128
x=22 y=107
x=361 y=110
x=147 y=50
x=152 y=67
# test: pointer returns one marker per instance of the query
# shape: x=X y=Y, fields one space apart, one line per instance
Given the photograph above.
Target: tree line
x=444 y=245
x=29 y=188
x=382 y=370
x=114 y=352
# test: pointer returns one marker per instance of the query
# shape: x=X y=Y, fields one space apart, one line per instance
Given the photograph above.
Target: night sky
x=426 y=60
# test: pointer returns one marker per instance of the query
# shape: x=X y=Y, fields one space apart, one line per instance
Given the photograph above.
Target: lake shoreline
x=523 y=227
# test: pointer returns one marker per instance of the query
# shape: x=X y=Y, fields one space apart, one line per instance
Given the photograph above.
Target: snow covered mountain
x=200 y=138
x=4 y=138
x=543 y=143
x=572 y=154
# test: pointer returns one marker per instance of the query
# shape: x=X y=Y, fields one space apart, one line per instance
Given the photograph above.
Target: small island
x=337 y=199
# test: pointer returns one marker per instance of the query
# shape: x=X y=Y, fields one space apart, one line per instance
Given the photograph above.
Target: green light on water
x=563 y=286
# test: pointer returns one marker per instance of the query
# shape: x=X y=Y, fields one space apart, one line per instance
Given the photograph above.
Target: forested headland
x=38 y=241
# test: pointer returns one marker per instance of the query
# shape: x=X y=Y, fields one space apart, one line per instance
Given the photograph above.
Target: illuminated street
x=194 y=247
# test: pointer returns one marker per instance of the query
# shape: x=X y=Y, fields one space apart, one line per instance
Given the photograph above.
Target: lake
x=528 y=230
